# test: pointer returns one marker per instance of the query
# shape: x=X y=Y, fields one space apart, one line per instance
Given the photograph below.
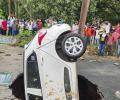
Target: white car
x=50 y=64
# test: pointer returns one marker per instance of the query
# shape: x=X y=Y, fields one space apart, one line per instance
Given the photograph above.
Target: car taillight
x=41 y=36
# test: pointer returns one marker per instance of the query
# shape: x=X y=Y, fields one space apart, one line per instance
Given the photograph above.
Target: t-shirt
x=88 y=32
x=4 y=25
x=14 y=27
x=11 y=22
x=97 y=35
x=118 y=30
x=119 y=41
x=75 y=28
x=30 y=27
x=103 y=38
x=109 y=40
x=107 y=28
x=115 y=36
x=1 y=22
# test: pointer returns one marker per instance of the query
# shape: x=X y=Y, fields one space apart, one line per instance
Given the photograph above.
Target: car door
x=33 y=83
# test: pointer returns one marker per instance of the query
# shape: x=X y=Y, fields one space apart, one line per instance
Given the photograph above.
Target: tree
x=67 y=10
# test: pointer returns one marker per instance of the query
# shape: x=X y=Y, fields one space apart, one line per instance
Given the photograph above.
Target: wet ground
x=103 y=73
x=11 y=62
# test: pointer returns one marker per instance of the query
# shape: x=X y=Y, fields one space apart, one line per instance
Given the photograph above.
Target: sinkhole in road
x=87 y=90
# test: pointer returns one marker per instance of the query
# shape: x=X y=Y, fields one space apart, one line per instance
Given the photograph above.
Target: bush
x=23 y=38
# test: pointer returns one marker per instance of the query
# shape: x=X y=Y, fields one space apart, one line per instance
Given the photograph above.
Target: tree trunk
x=9 y=7
x=83 y=15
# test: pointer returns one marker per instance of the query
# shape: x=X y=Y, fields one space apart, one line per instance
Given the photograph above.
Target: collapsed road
x=87 y=90
x=104 y=74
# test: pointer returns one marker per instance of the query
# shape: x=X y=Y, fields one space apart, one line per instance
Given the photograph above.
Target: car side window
x=33 y=78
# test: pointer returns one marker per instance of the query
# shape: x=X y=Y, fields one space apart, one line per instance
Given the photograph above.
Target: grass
x=23 y=38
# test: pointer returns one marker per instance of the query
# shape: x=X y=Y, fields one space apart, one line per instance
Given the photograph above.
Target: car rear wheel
x=73 y=45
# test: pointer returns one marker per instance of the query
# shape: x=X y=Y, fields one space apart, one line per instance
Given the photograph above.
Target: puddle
x=7 y=40
x=5 y=79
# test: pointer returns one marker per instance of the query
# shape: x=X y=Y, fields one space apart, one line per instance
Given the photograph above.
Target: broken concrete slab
x=117 y=94
x=117 y=64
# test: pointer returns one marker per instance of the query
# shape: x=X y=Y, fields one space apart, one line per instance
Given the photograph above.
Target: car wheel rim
x=73 y=46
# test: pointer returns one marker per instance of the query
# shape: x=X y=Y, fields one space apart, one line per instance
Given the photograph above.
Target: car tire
x=73 y=45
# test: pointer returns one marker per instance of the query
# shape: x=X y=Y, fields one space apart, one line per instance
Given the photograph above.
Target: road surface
x=103 y=73
x=11 y=59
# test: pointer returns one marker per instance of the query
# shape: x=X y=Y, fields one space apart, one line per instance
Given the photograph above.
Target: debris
x=90 y=61
x=81 y=58
x=20 y=54
x=8 y=55
x=117 y=64
x=117 y=93
x=2 y=52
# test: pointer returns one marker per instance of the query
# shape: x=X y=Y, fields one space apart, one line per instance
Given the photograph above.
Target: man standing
x=39 y=24
x=0 y=25
x=102 y=42
x=4 y=26
x=75 y=27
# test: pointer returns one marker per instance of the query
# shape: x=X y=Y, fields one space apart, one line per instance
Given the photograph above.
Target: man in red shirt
x=4 y=26
x=88 y=33
x=39 y=24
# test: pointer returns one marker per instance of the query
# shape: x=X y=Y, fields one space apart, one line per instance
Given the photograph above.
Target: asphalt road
x=104 y=73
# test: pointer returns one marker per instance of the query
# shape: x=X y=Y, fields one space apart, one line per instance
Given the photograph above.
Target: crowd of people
x=105 y=36
x=13 y=26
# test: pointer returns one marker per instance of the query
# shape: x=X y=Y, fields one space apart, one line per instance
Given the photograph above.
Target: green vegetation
x=68 y=10
x=23 y=38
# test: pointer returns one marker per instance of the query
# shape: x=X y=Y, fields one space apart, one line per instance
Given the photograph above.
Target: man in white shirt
x=75 y=27
x=107 y=28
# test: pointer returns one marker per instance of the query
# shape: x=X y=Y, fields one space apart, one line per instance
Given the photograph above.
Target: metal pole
x=83 y=15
